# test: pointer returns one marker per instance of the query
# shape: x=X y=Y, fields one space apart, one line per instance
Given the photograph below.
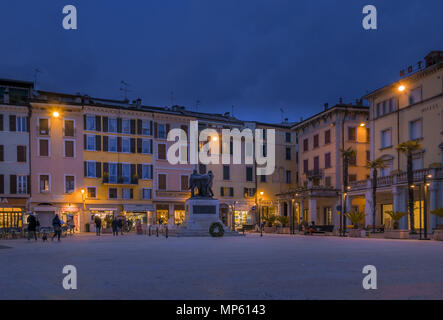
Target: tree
x=408 y=148
x=357 y=218
x=374 y=166
x=346 y=154
x=396 y=216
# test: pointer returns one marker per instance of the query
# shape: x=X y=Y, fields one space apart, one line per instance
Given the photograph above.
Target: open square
x=251 y=267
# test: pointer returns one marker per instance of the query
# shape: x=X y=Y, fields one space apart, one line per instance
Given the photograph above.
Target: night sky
x=258 y=55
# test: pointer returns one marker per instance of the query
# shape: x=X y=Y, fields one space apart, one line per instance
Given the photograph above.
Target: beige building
x=319 y=194
x=410 y=109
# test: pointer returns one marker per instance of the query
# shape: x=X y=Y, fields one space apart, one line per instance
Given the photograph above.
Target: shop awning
x=138 y=207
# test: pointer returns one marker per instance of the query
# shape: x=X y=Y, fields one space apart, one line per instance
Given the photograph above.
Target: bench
x=378 y=228
x=321 y=229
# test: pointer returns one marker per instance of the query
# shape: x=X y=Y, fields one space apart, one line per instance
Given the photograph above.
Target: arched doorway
x=223 y=214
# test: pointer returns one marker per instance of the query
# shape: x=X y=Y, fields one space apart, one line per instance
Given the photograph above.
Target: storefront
x=138 y=213
x=12 y=212
x=162 y=212
x=106 y=215
x=45 y=212
x=179 y=214
x=70 y=214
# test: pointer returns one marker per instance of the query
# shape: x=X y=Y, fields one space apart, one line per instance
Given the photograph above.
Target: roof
x=16 y=83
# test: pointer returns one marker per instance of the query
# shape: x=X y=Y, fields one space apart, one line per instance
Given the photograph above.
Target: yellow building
x=410 y=109
x=118 y=170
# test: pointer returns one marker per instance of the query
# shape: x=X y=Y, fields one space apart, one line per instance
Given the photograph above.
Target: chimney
x=340 y=101
x=286 y=120
x=326 y=106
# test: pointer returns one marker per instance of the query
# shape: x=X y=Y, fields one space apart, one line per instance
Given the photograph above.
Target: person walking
x=114 y=225
x=56 y=224
x=98 y=225
x=32 y=226
x=120 y=225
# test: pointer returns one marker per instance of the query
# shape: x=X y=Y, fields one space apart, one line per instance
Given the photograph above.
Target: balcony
x=172 y=194
x=120 y=181
x=314 y=174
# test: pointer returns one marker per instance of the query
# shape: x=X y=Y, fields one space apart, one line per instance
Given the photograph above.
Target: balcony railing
x=316 y=173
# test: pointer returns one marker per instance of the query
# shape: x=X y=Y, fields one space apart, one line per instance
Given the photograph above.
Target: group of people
x=34 y=225
x=117 y=225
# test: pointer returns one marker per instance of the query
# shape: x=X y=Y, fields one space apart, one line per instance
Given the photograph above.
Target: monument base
x=200 y=215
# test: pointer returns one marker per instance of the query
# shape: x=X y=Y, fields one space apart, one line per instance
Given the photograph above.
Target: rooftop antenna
x=125 y=89
x=197 y=104
x=36 y=72
x=282 y=114
x=172 y=98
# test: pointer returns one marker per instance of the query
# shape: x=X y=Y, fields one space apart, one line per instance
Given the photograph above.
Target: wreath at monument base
x=216 y=230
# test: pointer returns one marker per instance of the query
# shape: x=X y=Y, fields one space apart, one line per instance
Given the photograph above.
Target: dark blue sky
x=258 y=55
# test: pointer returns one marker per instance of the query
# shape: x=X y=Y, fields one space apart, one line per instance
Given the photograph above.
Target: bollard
x=261 y=232
x=157 y=231
x=149 y=230
x=166 y=232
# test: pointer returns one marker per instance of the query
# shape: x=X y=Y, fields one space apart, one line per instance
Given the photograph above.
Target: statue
x=203 y=182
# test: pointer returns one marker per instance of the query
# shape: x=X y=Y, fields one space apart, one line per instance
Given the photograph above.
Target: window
x=288 y=137
x=112 y=125
x=112 y=173
x=386 y=138
x=226 y=191
x=146 y=128
x=90 y=123
x=161 y=147
x=288 y=176
x=127 y=193
x=386 y=107
x=91 y=142
x=126 y=126
x=226 y=173
x=316 y=142
x=386 y=171
x=69 y=128
x=112 y=144
x=184 y=183
x=262 y=178
x=305 y=145
x=69 y=184
x=368 y=135
x=368 y=155
x=161 y=181
x=126 y=172
x=22 y=184
x=305 y=166
x=327 y=160
x=415 y=96
x=249 y=192
x=417 y=161
x=44 y=183
x=91 y=192
x=352 y=178
x=146 y=171
x=249 y=174
x=353 y=160
x=161 y=131
x=146 y=148
x=43 y=147
x=91 y=169
x=327 y=136
x=328 y=181
x=69 y=149
x=112 y=193
x=21 y=153
x=288 y=154
x=43 y=127
x=146 y=194
x=126 y=145
x=351 y=134
x=22 y=124
x=415 y=129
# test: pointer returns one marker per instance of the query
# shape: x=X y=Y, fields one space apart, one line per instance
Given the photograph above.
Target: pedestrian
x=114 y=225
x=98 y=225
x=32 y=226
x=56 y=224
x=120 y=225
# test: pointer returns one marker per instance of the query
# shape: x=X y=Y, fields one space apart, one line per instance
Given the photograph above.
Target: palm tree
x=408 y=148
x=346 y=154
x=374 y=165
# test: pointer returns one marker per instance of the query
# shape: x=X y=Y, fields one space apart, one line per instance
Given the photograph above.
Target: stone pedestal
x=200 y=215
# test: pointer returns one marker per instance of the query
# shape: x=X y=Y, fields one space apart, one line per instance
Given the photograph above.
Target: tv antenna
x=172 y=98
x=282 y=114
x=232 y=110
x=125 y=89
x=197 y=104
x=36 y=72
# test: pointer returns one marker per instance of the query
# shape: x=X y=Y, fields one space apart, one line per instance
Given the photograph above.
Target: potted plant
x=284 y=222
x=438 y=232
x=269 y=219
x=358 y=220
x=396 y=232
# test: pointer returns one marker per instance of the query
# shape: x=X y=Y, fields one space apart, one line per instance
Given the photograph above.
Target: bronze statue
x=203 y=182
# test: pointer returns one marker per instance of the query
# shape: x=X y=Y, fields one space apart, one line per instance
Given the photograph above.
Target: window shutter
x=98 y=143
x=155 y=130
x=1 y=122
x=152 y=171
x=168 y=127
x=245 y=192
x=231 y=192
x=150 y=142
x=119 y=144
x=133 y=173
x=28 y=184
x=85 y=143
x=105 y=143
x=139 y=145
x=105 y=124
x=119 y=125
x=2 y=184
x=85 y=167
x=12 y=123
x=140 y=170
x=98 y=125
x=105 y=170
x=222 y=191
x=132 y=126
x=98 y=169
x=139 y=126
x=84 y=122
x=2 y=157
x=119 y=171
x=150 y=128
x=132 y=145
x=13 y=184
x=131 y=193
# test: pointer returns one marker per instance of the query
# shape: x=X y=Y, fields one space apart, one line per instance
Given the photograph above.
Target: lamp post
x=425 y=205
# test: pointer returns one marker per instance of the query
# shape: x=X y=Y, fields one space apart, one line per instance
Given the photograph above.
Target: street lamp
x=401 y=88
x=425 y=205
x=55 y=114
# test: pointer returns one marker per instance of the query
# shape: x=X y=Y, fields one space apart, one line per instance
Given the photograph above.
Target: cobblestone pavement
x=272 y=267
